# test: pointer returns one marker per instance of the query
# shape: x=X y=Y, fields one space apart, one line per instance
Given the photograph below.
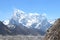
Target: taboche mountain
x=18 y=30
x=54 y=32
x=25 y=24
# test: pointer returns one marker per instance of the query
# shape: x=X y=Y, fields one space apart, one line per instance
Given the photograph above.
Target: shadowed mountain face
x=54 y=32
x=17 y=30
x=4 y=29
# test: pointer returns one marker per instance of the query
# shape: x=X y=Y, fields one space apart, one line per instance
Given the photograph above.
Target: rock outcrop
x=54 y=32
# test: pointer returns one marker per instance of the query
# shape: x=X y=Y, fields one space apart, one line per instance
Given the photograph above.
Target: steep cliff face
x=54 y=32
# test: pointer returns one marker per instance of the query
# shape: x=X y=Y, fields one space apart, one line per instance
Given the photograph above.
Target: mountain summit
x=30 y=21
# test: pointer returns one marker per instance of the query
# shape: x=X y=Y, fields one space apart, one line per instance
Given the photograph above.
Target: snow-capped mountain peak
x=29 y=20
x=19 y=14
x=6 y=22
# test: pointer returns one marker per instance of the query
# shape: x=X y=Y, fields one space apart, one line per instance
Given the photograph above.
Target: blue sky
x=50 y=7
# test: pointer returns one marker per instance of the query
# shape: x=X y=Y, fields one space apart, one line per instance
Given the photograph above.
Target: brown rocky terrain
x=54 y=32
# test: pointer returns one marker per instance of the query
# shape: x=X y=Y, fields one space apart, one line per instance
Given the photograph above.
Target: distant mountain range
x=25 y=24
x=17 y=30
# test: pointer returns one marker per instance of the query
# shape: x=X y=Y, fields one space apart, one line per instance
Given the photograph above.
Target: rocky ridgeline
x=54 y=32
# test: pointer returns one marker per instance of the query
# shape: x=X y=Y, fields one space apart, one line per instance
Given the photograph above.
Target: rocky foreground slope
x=54 y=32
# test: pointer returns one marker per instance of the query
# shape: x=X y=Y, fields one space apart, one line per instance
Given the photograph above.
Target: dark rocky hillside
x=54 y=32
x=4 y=30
